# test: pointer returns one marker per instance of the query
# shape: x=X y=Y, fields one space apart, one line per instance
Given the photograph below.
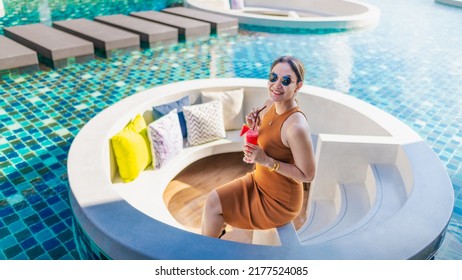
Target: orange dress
x=263 y=199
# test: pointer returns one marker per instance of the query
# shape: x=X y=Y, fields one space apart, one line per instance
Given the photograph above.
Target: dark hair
x=295 y=64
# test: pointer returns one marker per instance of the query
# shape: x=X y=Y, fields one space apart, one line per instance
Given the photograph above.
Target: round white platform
x=295 y=14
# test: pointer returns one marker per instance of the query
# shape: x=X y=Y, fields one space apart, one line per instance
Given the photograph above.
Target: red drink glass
x=252 y=136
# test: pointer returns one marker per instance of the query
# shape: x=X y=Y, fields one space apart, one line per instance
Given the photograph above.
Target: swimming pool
x=410 y=65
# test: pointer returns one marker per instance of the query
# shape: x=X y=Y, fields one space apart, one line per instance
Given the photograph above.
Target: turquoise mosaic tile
x=406 y=66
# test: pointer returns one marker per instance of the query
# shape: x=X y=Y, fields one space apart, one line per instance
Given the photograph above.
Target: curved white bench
x=296 y=14
x=380 y=192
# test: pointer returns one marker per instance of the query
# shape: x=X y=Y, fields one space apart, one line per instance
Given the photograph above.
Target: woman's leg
x=212 y=217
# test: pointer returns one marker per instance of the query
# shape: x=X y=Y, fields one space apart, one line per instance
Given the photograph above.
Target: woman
x=272 y=195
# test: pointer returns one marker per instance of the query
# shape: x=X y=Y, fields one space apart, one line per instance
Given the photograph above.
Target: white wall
x=328 y=116
x=345 y=159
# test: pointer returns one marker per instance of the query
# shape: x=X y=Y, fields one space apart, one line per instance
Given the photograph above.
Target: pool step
x=55 y=47
x=356 y=213
x=322 y=213
x=76 y=40
x=16 y=56
x=151 y=33
x=187 y=28
x=391 y=193
x=105 y=38
x=220 y=24
x=354 y=204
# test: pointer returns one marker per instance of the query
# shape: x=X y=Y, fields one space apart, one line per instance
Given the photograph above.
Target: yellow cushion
x=131 y=149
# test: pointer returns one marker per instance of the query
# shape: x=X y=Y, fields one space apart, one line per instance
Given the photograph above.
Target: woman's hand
x=253 y=118
x=254 y=154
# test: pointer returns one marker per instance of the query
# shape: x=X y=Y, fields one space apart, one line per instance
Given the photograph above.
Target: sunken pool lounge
x=380 y=191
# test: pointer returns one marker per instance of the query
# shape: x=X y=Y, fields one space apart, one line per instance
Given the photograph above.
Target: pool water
x=410 y=65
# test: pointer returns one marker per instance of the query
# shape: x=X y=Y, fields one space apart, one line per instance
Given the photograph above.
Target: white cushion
x=232 y=100
x=204 y=122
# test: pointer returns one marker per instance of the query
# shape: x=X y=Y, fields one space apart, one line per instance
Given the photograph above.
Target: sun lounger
x=16 y=56
x=150 y=33
x=105 y=38
x=220 y=24
x=54 y=46
x=187 y=28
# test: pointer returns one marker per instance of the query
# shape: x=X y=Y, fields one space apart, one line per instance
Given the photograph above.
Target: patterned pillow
x=131 y=149
x=165 y=137
x=233 y=115
x=162 y=110
x=204 y=122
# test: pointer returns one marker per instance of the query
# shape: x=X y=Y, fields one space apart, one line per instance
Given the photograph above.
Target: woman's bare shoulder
x=297 y=125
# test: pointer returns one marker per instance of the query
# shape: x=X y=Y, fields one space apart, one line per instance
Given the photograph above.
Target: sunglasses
x=286 y=80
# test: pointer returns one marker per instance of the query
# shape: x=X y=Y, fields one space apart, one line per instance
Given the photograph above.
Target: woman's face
x=277 y=90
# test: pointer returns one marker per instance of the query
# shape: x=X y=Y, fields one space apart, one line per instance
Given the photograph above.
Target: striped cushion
x=204 y=122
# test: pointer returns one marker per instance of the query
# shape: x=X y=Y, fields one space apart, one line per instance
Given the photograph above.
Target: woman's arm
x=295 y=134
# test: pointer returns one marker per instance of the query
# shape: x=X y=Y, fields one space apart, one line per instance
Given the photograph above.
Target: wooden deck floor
x=185 y=195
